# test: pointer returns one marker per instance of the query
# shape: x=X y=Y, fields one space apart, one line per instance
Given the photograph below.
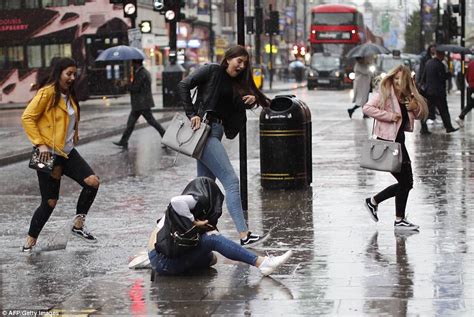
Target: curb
x=24 y=154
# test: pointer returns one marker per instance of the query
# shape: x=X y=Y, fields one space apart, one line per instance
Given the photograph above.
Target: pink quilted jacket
x=385 y=128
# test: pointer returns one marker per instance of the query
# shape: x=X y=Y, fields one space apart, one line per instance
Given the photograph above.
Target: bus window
x=333 y=19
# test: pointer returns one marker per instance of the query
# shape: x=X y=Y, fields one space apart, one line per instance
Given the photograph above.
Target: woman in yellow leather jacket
x=51 y=123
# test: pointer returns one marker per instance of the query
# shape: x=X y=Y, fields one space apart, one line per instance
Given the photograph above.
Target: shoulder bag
x=180 y=137
x=382 y=155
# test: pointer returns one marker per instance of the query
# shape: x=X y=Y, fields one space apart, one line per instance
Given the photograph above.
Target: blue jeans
x=201 y=256
x=215 y=162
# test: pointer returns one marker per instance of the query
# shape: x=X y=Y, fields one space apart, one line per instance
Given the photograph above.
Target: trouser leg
x=132 y=119
x=148 y=115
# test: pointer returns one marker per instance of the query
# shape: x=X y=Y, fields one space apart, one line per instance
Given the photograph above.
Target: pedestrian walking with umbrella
x=139 y=88
x=363 y=75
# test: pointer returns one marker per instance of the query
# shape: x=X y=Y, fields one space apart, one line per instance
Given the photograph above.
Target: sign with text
x=135 y=38
x=333 y=35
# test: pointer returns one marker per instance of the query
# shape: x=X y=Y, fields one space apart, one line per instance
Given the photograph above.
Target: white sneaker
x=460 y=122
x=271 y=263
x=429 y=121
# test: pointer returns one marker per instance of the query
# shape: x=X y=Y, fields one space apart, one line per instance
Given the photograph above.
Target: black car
x=326 y=70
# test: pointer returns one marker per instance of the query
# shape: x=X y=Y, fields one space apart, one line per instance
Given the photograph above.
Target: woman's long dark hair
x=244 y=81
x=58 y=66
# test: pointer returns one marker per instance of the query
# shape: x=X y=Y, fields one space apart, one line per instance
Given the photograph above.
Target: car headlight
x=413 y=73
x=372 y=68
x=337 y=73
x=352 y=76
x=382 y=75
x=311 y=74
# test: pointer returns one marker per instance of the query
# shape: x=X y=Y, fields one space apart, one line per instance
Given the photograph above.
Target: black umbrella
x=120 y=53
x=453 y=48
x=367 y=49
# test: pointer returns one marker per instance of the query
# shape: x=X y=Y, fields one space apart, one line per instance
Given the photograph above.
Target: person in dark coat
x=141 y=101
x=186 y=237
x=224 y=92
x=434 y=77
x=429 y=54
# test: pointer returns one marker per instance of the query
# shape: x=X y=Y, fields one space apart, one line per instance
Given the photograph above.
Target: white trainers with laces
x=271 y=263
x=460 y=122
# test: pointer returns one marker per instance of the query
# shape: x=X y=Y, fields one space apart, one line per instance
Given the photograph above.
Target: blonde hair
x=407 y=88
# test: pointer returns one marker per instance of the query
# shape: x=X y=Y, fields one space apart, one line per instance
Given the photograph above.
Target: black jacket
x=178 y=235
x=435 y=77
x=207 y=79
x=140 y=90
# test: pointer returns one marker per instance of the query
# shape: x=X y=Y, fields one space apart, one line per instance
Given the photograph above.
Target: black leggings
x=74 y=167
x=401 y=189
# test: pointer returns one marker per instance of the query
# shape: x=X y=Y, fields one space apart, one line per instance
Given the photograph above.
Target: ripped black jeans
x=74 y=167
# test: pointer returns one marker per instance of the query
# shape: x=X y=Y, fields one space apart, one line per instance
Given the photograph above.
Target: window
x=56 y=50
x=31 y=4
x=34 y=56
x=333 y=19
x=55 y=3
x=15 y=54
x=3 y=57
x=10 y=4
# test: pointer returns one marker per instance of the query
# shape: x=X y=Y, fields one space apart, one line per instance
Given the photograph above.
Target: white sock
x=372 y=201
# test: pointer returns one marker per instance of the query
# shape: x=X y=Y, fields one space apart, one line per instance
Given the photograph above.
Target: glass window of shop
x=55 y=3
x=34 y=56
x=56 y=50
x=10 y=4
x=3 y=57
x=31 y=4
x=15 y=53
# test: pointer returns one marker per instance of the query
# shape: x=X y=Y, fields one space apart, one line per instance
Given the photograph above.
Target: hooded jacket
x=178 y=234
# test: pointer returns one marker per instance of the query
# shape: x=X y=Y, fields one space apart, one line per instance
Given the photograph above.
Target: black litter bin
x=285 y=144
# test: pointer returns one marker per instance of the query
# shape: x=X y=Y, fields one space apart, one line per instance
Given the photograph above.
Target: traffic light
x=453 y=27
x=145 y=26
x=258 y=20
x=159 y=5
x=172 y=10
x=275 y=22
x=249 y=23
x=130 y=8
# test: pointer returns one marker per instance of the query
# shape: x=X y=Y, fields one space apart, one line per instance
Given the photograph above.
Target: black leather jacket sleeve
x=201 y=78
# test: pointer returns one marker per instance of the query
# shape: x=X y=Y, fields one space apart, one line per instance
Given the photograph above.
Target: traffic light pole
x=462 y=12
x=270 y=37
x=243 y=131
x=422 y=30
x=172 y=43
x=258 y=32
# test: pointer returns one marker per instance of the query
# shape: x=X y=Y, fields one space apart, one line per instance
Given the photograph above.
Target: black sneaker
x=405 y=225
x=372 y=209
x=26 y=249
x=84 y=234
x=253 y=240
x=121 y=144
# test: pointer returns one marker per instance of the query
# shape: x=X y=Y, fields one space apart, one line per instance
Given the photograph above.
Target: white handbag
x=382 y=155
x=180 y=137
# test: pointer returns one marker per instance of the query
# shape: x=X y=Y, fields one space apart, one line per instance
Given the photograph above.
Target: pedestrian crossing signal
x=145 y=27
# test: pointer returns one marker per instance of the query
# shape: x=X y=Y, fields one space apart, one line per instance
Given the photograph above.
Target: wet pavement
x=343 y=264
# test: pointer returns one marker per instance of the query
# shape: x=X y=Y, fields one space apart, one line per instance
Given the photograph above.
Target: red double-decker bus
x=336 y=28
